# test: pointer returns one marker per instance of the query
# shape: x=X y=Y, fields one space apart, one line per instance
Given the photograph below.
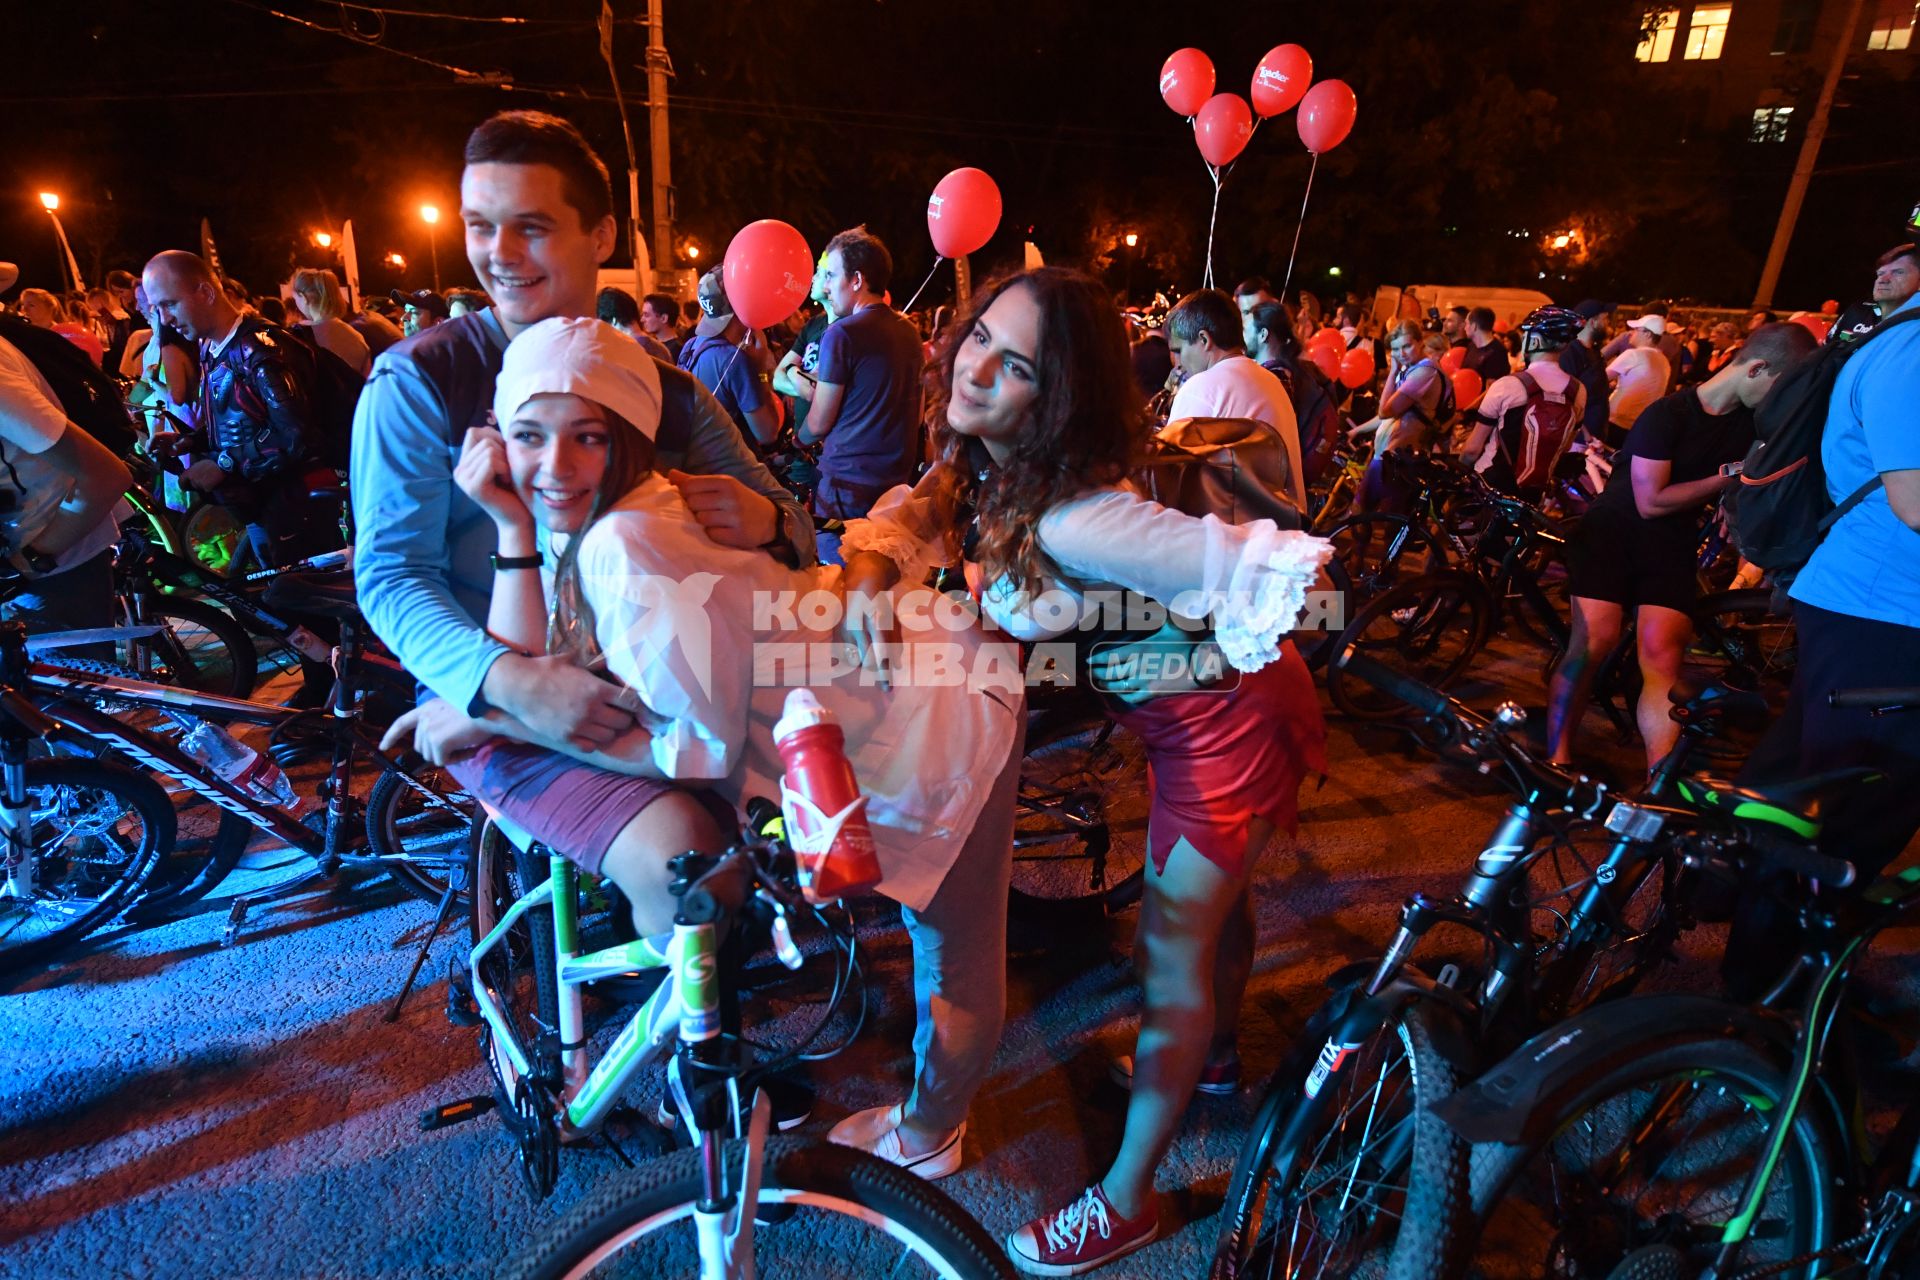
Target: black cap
x=1592 y=307
x=422 y=300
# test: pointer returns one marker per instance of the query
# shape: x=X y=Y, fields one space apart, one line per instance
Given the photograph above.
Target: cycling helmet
x=1913 y=224
x=1557 y=325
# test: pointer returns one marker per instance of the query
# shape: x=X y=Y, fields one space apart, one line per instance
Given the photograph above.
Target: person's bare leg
x=1662 y=636
x=1194 y=898
x=1234 y=963
x=674 y=824
x=1596 y=630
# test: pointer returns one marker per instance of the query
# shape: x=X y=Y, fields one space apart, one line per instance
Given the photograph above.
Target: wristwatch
x=781 y=545
x=515 y=562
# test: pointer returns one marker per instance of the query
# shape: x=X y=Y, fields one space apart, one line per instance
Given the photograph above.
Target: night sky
x=148 y=116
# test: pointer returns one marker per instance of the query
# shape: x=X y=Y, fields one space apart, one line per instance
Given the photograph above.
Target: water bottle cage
x=811 y=833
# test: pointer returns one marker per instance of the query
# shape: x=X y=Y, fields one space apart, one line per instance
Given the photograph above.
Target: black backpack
x=1781 y=509
x=335 y=392
x=91 y=399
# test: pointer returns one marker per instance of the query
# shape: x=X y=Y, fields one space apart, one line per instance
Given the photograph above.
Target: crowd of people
x=570 y=508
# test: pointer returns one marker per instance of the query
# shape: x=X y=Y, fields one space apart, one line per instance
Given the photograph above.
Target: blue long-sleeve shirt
x=422 y=554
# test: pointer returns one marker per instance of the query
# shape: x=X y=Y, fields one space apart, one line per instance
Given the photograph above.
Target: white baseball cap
x=1656 y=325
x=580 y=357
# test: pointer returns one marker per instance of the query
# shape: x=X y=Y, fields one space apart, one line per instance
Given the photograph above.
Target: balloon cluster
x=1223 y=123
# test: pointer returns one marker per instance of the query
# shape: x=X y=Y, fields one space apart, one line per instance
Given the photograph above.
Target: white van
x=1510 y=305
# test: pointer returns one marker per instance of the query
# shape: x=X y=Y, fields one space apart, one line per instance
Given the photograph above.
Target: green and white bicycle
x=826 y=1210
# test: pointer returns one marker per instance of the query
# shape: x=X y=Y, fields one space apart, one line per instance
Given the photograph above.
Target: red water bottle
x=825 y=812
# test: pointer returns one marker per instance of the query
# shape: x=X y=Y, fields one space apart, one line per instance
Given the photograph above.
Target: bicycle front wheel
x=1353 y=1179
x=94 y=832
x=852 y=1216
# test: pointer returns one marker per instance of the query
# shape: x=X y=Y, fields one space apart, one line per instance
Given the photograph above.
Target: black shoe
x=792 y=1101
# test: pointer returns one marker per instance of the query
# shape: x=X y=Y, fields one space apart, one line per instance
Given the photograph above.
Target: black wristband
x=515 y=562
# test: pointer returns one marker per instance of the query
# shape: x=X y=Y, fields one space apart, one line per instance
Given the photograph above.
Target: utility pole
x=658 y=68
x=1809 y=154
x=642 y=269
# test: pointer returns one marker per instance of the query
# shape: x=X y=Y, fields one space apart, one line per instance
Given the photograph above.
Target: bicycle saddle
x=1798 y=805
x=327 y=595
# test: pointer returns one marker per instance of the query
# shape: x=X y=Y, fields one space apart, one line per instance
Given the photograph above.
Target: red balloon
x=963 y=213
x=1454 y=360
x=768 y=272
x=1466 y=385
x=1326 y=360
x=1186 y=81
x=1326 y=115
x=1222 y=128
x=1332 y=339
x=1356 y=368
x=1281 y=79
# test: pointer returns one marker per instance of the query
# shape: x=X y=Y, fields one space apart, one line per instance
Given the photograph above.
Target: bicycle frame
x=587 y=1094
x=723 y=1219
x=1826 y=971
x=87 y=725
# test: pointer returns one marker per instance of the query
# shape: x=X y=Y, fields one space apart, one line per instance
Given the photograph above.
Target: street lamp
x=430 y=215
x=324 y=239
x=50 y=201
x=693 y=251
x=397 y=262
x=1133 y=240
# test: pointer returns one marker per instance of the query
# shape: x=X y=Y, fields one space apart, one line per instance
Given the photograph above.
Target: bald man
x=257 y=425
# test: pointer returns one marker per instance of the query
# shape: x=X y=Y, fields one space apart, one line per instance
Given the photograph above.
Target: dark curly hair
x=1088 y=426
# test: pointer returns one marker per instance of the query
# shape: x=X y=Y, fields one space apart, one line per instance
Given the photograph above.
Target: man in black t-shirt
x=1635 y=547
x=1486 y=354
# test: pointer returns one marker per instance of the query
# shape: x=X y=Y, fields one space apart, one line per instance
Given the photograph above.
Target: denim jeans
x=960 y=962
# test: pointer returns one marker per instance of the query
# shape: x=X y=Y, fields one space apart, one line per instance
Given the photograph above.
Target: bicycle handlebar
x=1789 y=855
x=1427 y=701
x=720 y=892
x=1875 y=699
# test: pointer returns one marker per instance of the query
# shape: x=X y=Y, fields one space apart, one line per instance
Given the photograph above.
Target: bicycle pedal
x=448 y=1114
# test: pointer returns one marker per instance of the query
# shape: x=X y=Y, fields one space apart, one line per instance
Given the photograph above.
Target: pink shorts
x=574 y=809
x=1216 y=761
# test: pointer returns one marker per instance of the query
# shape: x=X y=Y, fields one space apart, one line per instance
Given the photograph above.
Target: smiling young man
x=538 y=212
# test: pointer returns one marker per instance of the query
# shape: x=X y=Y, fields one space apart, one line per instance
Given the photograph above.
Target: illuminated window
x=1770 y=124
x=1656 y=36
x=1708 y=31
x=1892 y=25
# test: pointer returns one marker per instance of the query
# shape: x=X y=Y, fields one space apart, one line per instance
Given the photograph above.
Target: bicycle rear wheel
x=521 y=971
x=197 y=647
x=1428 y=629
x=1080 y=826
x=97 y=831
x=852 y=1216
x=424 y=820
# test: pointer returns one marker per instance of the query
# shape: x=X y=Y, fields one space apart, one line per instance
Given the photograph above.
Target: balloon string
x=1214 y=217
x=721 y=380
x=1311 y=170
x=923 y=286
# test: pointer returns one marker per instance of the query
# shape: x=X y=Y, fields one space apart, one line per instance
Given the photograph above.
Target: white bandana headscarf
x=579 y=357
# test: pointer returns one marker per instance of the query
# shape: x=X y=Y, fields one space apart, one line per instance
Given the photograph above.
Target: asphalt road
x=170 y=1107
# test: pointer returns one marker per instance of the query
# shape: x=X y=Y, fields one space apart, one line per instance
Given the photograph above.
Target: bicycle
x=1684 y=1135
x=860 y=1216
x=416 y=825
x=1346 y=1168
x=79 y=839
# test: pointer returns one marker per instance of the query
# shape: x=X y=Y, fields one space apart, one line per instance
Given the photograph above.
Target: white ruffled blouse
x=1252 y=579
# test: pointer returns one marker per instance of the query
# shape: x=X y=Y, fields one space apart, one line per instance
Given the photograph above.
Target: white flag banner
x=350 y=263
